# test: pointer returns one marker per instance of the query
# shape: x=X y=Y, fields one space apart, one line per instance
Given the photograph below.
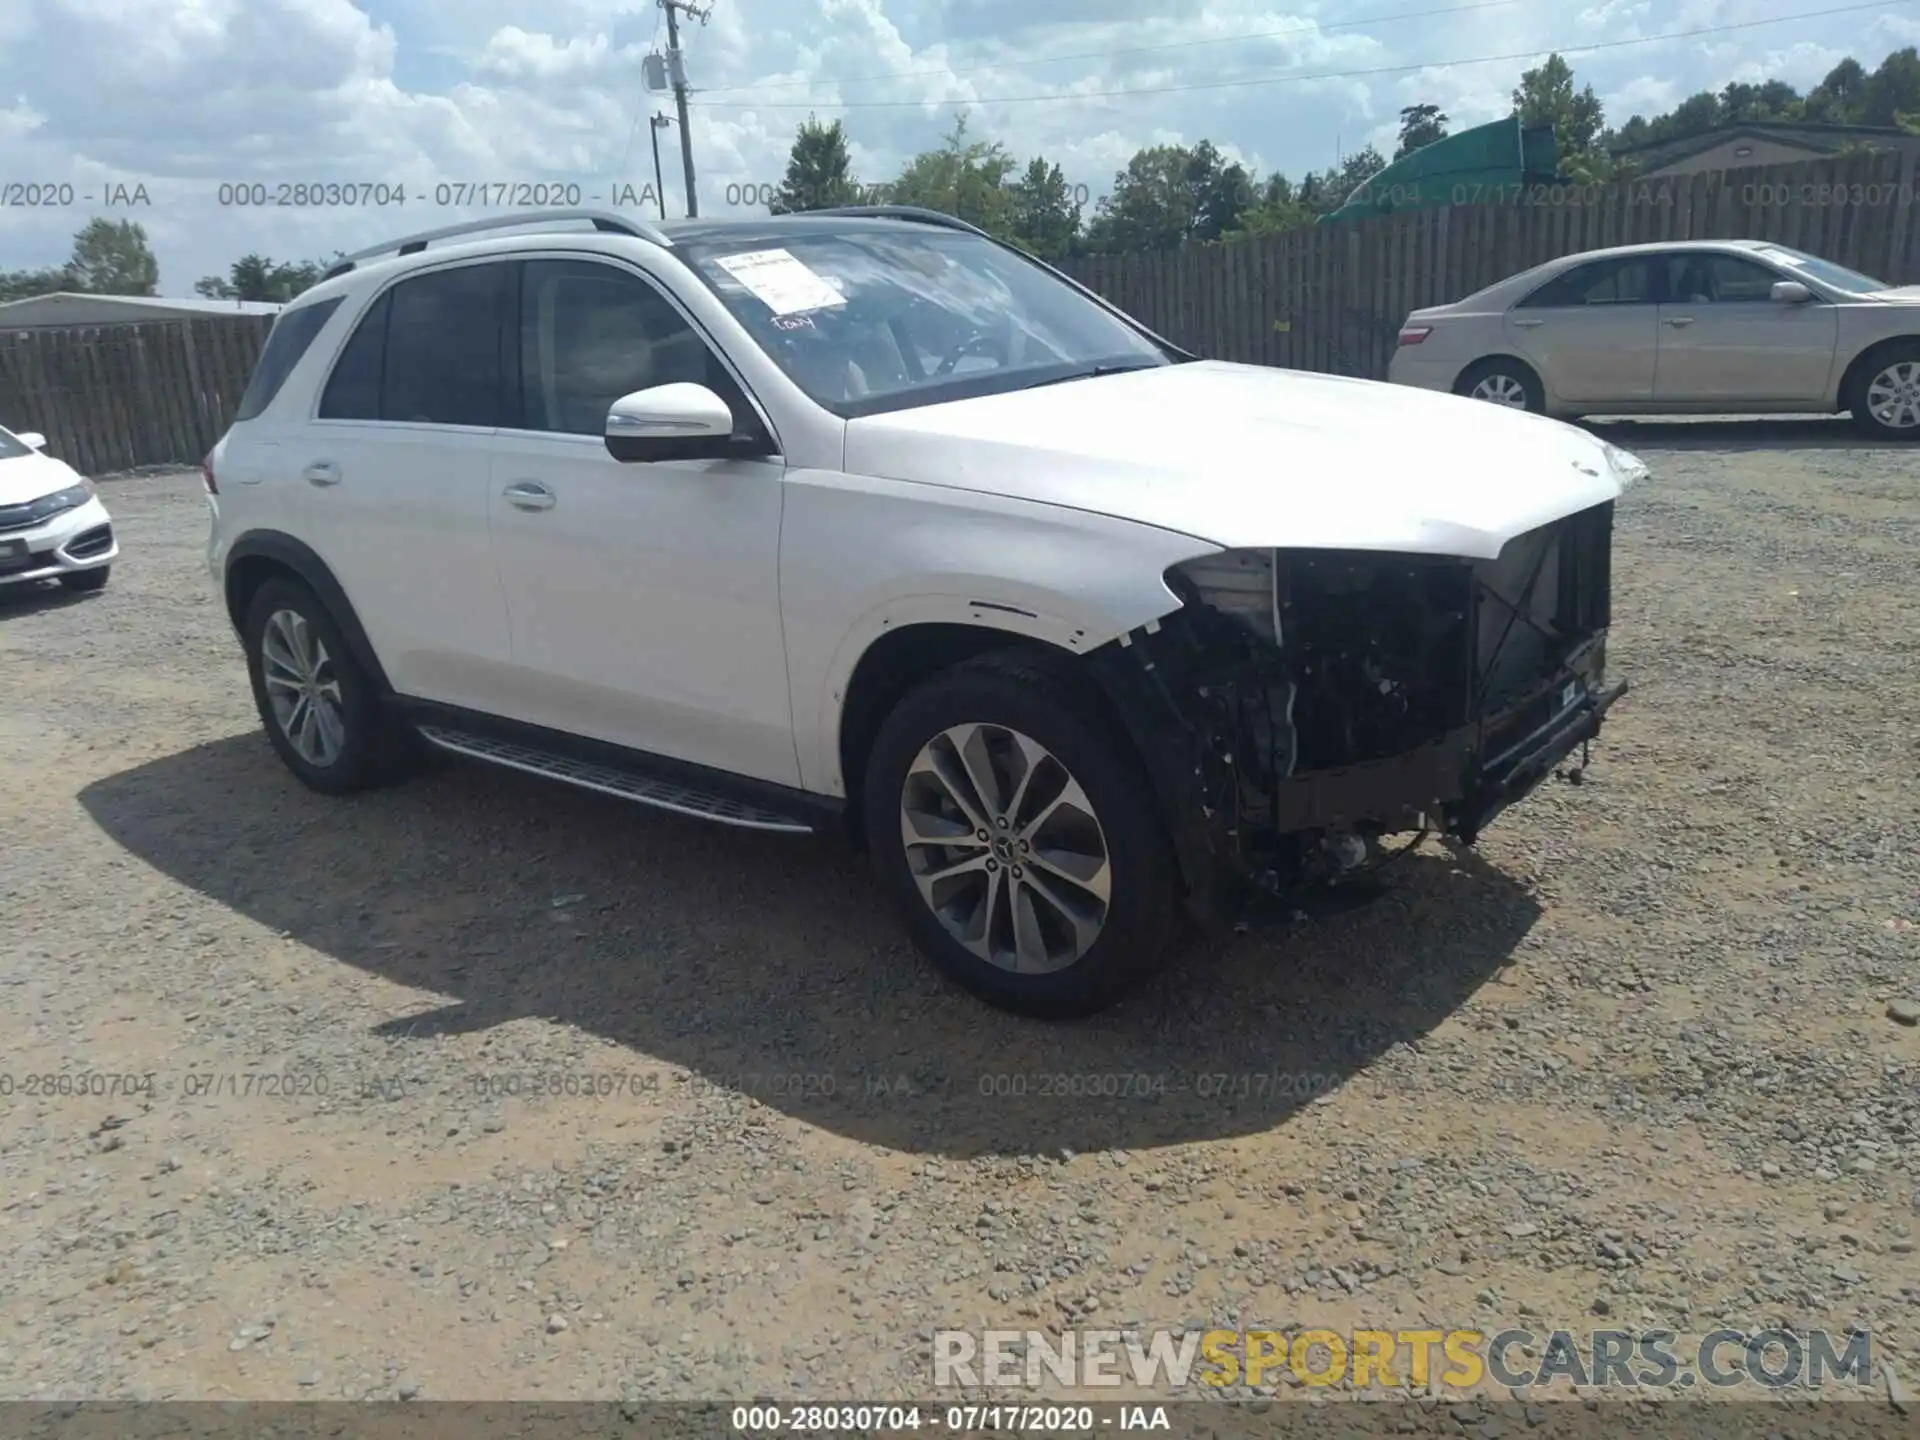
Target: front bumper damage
x=1302 y=706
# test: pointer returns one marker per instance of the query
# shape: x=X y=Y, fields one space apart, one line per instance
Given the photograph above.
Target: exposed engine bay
x=1303 y=705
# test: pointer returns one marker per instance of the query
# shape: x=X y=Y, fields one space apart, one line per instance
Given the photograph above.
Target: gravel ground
x=1640 y=1057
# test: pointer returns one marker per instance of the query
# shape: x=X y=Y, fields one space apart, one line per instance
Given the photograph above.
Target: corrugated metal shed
x=64 y=308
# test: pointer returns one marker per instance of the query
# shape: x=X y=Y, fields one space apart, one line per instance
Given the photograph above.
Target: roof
x=130 y=306
x=1825 y=139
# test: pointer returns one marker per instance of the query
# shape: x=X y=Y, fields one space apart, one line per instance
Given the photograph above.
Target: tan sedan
x=1704 y=327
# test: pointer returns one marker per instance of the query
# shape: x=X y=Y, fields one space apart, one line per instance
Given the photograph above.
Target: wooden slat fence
x=112 y=397
x=1330 y=298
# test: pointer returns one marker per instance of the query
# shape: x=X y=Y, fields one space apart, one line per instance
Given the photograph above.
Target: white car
x=52 y=524
x=1697 y=327
x=863 y=519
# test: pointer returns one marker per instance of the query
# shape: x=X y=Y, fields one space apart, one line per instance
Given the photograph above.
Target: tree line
x=1166 y=196
x=1172 y=195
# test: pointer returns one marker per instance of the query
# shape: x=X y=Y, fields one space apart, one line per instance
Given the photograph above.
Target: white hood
x=28 y=477
x=1248 y=456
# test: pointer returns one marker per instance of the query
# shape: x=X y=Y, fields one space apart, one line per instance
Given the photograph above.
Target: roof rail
x=606 y=221
x=905 y=212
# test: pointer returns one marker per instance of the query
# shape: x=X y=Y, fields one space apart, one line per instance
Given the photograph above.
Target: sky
x=161 y=110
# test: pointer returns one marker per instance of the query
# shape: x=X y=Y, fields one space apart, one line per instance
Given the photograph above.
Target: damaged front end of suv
x=1303 y=705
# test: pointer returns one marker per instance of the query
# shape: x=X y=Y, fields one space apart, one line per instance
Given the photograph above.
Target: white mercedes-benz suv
x=863 y=519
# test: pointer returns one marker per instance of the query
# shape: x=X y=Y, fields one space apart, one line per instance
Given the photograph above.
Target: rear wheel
x=1886 y=398
x=320 y=709
x=81 y=581
x=1014 y=829
x=1503 y=382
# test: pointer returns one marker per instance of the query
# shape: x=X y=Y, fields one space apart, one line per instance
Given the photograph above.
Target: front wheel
x=1503 y=382
x=1015 y=830
x=1886 y=400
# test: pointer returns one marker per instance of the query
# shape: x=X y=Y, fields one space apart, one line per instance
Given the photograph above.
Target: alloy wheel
x=303 y=687
x=1501 y=389
x=1893 y=396
x=1005 y=848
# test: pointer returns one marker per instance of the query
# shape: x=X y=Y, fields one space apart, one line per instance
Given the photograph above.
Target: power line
x=1129 y=50
x=1078 y=95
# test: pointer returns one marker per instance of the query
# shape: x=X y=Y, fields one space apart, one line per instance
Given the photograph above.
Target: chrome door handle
x=1528 y=324
x=1679 y=320
x=323 y=472
x=529 y=495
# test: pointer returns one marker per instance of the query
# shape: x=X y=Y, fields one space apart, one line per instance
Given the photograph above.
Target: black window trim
x=330 y=308
x=386 y=289
x=625 y=266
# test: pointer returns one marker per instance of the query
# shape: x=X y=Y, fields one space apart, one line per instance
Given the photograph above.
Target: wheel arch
x=1502 y=357
x=1861 y=365
x=262 y=555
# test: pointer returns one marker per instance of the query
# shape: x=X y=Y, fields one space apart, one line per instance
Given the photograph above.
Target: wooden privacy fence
x=1332 y=298
x=111 y=397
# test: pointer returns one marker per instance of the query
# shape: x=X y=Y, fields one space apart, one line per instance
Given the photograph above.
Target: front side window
x=871 y=319
x=292 y=333
x=1600 y=282
x=1709 y=278
x=590 y=333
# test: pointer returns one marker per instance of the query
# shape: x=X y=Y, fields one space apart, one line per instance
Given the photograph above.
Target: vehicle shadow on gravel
x=1787 y=432
x=18 y=600
x=769 y=965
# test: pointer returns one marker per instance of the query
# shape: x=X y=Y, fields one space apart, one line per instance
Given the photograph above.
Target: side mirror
x=1791 y=292
x=672 y=422
x=32 y=439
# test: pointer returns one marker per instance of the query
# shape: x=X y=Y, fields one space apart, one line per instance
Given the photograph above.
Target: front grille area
x=89 y=543
x=18 y=564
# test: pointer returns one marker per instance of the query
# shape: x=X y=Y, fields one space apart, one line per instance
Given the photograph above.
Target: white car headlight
x=1629 y=467
x=59 y=502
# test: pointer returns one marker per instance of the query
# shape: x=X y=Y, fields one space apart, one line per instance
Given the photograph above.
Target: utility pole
x=677 y=70
x=658 y=123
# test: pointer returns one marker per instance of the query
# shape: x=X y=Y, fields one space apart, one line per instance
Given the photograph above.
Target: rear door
x=1724 y=338
x=392 y=474
x=1592 y=332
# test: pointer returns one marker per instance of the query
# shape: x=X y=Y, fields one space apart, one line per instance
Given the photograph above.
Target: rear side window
x=353 y=390
x=1603 y=282
x=444 y=334
x=292 y=333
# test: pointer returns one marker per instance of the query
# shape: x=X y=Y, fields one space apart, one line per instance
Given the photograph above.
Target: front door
x=1723 y=337
x=1592 y=332
x=643 y=599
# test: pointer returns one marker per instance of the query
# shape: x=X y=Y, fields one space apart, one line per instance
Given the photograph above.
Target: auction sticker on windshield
x=780 y=282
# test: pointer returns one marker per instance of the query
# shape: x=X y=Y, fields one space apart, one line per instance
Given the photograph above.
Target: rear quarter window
x=292 y=333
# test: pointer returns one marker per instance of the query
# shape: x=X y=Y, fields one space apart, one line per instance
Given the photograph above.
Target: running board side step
x=618 y=781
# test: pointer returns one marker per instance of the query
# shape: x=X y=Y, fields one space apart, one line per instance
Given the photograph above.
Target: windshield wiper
x=1093 y=372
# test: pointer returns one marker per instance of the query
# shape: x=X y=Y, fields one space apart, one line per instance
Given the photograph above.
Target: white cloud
x=185 y=94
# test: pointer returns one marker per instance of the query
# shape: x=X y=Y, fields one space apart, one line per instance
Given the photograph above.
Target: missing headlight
x=1238 y=585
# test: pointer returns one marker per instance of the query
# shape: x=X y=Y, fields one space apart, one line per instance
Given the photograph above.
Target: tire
x=1506 y=376
x=83 y=581
x=1893 y=376
x=363 y=748
x=994 y=703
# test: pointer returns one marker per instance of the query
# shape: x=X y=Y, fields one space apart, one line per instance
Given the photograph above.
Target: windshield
x=872 y=320
x=1825 y=271
x=11 y=448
